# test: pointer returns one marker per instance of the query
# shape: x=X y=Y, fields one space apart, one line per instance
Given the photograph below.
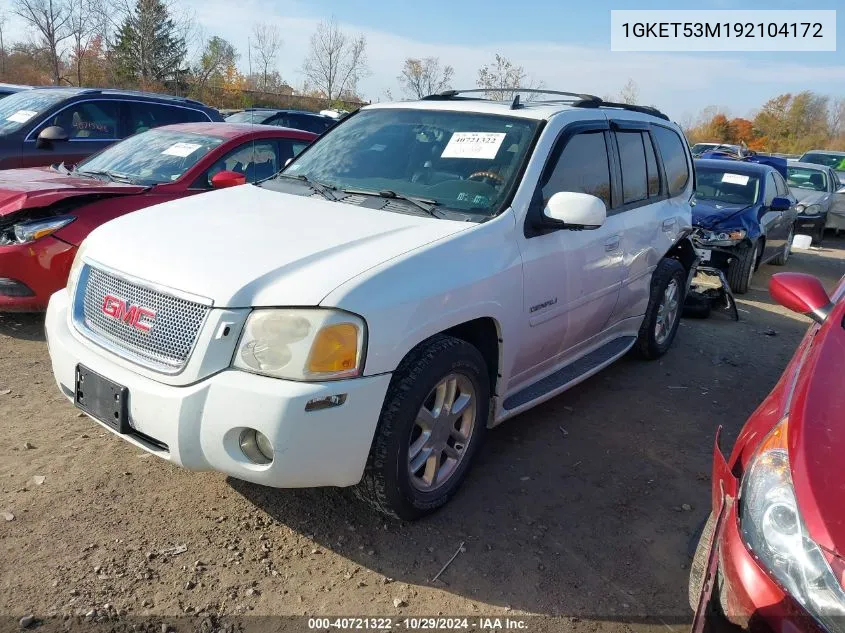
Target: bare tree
x=266 y=42
x=51 y=20
x=3 y=19
x=422 y=77
x=87 y=22
x=501 y=79
x=336 y=61
x=630 y=93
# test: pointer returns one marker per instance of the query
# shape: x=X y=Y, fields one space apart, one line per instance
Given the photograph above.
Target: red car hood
x=42 y=186
x=817 y=435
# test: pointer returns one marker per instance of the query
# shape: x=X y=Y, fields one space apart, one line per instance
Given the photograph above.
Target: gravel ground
x=585 y=508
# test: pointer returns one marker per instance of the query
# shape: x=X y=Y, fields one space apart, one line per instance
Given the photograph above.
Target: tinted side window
x=632 y=159
x=674 y=158
x=782 y=189
x=87 y=120
x=255 y=160
x=771 y=189
x=144 y=116
x=290 y=148
x=651 y=164
x=581 y=167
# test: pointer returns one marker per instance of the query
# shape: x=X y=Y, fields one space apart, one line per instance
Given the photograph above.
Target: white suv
x=422 y=272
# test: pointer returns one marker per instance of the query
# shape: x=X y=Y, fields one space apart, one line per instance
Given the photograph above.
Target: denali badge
x=134 y=316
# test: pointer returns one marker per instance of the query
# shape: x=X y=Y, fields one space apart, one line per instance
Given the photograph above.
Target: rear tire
x=783 y=256
x=663 y=314
x=390 y=484
x=741 y=269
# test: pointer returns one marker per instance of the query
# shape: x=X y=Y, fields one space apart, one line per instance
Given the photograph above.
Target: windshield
x=248 y=116
x=19 y=108
x=150 y=158
x=726 y=186
x=458 y=161
x=804 y=178
x=834 y=161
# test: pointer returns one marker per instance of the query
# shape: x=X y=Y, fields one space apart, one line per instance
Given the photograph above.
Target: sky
x=563 y=43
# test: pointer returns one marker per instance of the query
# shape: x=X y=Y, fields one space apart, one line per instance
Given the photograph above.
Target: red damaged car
x=46 y=212
x=772 y=554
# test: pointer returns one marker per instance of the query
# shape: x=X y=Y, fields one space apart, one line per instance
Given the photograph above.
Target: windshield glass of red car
x=20 y=108
x=726 y=187
x=150 y=158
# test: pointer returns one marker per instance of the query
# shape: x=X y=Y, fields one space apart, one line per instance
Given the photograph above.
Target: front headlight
x=76 y=269
x=813 y=209
x=31 y=230
x=730 y=237
x=302 y=344
x=774 y=531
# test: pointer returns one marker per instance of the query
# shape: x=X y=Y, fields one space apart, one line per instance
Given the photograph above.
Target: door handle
x=612 y=244
x=668 y=225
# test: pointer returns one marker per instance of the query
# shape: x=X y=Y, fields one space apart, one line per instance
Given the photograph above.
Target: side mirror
x=780 y=204
x=572 y=210
x=801 y=293
x=223 y=179
x=50 y=135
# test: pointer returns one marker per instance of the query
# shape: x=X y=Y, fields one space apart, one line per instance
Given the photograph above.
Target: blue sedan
x=744 y=216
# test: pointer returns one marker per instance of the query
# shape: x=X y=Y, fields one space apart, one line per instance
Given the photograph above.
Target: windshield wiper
x=319 y=187
x=111 y=175
x=421 y=203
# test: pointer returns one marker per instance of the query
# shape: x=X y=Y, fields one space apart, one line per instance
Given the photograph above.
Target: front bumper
x=198 y=426
x=42 y=267
x=745 y=593
x=810 y=225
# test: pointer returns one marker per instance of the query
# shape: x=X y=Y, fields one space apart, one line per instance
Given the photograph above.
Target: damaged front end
x=709 y=290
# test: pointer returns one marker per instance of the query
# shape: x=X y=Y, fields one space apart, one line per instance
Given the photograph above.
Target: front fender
x=473 y=274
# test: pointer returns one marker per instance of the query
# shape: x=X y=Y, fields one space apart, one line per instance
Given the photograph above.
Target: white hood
x=249 y=246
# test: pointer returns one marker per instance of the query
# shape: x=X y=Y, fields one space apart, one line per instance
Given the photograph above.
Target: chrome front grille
x=172 y=332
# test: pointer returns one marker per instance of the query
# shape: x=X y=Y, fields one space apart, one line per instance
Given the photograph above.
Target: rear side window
x=634 y=172
x=301 y=122
x=582 y=167
x=87 y=120
x=144 y=116
x=674 y=158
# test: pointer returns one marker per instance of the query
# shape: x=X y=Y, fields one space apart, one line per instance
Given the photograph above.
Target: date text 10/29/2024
x=419 y=624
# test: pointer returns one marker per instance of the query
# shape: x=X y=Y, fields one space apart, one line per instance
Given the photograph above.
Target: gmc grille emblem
x=133 y=316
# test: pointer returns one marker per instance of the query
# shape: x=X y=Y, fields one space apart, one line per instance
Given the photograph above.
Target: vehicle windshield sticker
x=473 y=145
x=22 y=116
x=182 y=149
x=735 y=179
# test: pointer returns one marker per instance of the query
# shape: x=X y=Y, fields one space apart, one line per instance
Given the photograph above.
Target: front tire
x=663 y=314
x=432 y=423
x=741 y=269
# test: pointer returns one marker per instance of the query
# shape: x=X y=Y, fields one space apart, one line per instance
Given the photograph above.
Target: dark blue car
x=744 y=216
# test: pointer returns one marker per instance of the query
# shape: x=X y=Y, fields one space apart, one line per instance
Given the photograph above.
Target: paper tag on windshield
x=473 y=145
x=735 y=179
x=182 y=149
x=22 y=116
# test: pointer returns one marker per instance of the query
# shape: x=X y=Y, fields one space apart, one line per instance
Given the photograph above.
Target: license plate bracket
x=102 y=399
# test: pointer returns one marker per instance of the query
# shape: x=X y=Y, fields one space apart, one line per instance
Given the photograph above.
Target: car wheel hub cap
x=441 y=433
x=787 y=248
x=667 y=312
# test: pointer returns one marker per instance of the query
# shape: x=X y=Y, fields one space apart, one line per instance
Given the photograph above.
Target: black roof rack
x=576 y=100
x=119 y=91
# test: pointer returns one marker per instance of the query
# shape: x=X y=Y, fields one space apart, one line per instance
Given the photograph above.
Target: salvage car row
x=374 y=301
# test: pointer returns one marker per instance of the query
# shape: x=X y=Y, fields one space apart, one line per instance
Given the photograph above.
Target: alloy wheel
x=667 y=312
x=442 y=432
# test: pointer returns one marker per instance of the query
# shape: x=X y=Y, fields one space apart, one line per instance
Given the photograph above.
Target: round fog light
x=256 y=446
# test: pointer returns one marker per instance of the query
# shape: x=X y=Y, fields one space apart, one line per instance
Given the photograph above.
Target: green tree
x=149 y=47
x=217 y=56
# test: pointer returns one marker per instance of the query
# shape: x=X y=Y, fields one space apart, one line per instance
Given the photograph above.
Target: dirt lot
x=583 y=508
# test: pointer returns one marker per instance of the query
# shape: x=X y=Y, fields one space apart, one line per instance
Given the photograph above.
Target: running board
x=572 y=372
